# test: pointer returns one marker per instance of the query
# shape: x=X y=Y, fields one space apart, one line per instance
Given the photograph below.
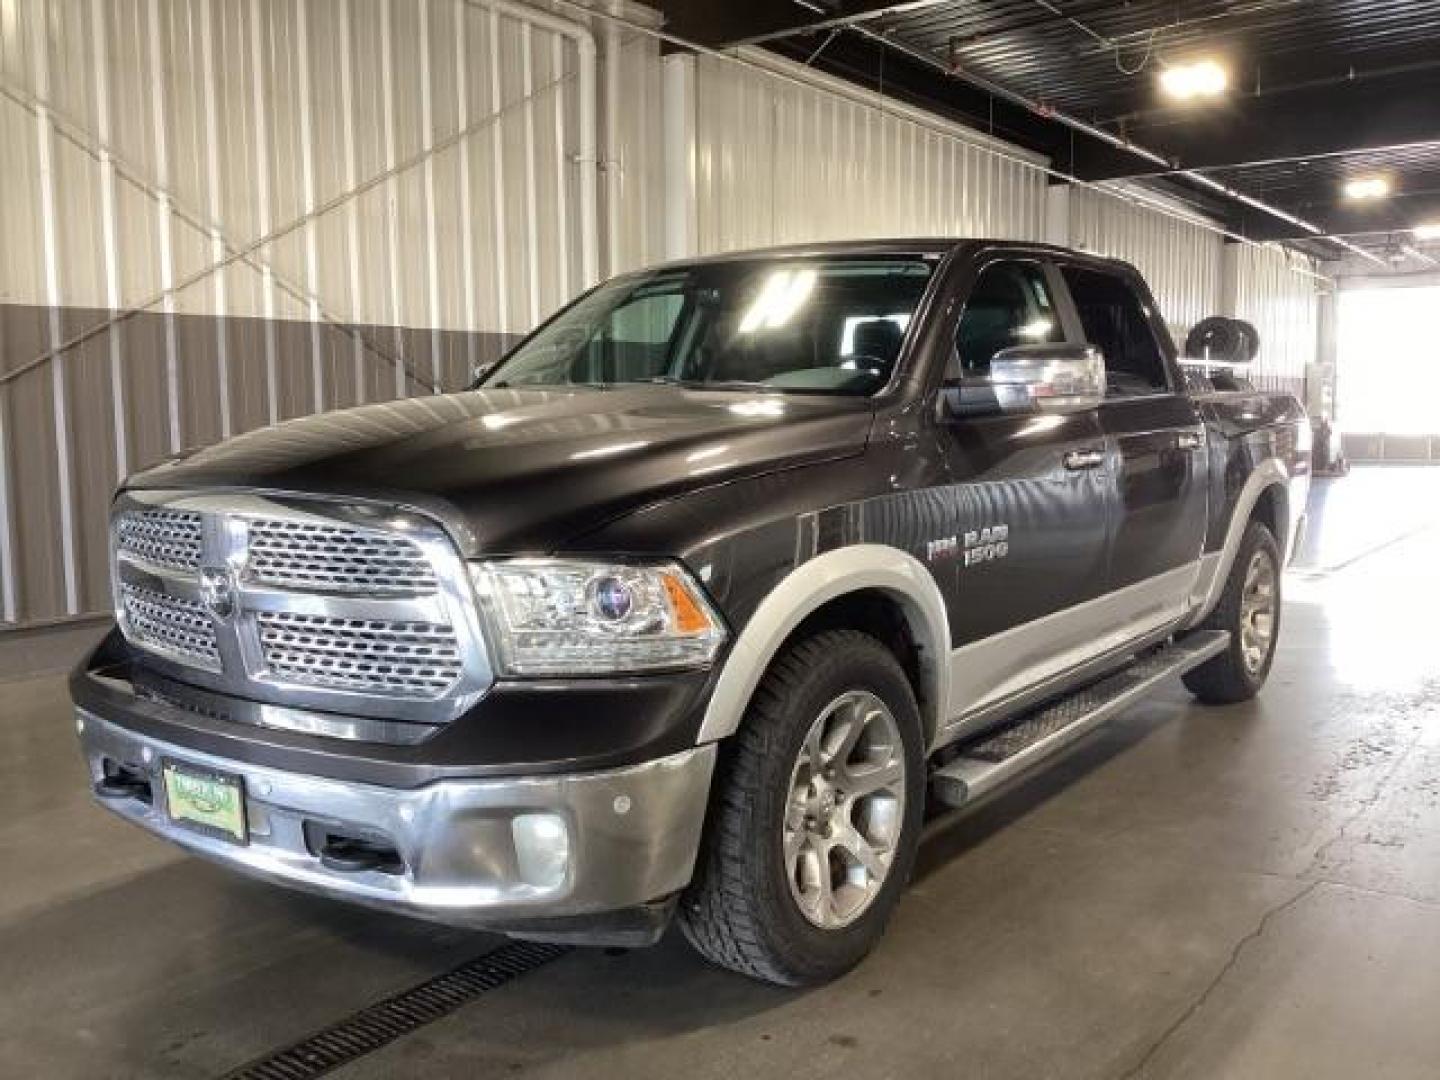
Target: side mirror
x=482 y=370
x=1048 y=378
x=1040 y=378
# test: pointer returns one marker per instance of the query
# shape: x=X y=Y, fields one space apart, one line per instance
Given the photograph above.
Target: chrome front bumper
x=631 y=833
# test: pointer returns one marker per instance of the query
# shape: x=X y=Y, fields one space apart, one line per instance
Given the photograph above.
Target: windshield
x=819 y=326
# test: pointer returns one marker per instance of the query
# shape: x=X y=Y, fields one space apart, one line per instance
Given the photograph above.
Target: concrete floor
x=1242 y=892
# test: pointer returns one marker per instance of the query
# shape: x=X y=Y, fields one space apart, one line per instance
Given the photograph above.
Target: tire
x=1216 y=339
x=744 y=908
x=1223 y=340
x=1251 y=338
x=1238 y=673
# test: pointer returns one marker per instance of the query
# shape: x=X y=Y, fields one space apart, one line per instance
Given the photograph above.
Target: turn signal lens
x=689 y=618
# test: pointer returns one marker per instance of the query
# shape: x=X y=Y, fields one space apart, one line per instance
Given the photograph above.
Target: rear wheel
x=1249 y=609
x=818 y=811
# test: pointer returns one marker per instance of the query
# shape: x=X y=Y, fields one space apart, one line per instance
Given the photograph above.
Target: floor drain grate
x=376 y=1026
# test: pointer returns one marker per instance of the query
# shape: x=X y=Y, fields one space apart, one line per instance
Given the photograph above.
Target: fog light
x=542 y=849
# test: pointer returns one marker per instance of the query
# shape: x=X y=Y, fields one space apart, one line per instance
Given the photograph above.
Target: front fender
x=810 y=586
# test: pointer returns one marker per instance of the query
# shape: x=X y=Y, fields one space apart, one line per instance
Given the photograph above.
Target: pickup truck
x=694 y=606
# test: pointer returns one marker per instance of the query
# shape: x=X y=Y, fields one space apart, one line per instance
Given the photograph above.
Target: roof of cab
x=930 y=246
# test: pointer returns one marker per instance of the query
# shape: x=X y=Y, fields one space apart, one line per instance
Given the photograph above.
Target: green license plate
x=206 y=801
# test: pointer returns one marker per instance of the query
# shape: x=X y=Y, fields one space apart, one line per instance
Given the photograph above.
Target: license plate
x=206 y=801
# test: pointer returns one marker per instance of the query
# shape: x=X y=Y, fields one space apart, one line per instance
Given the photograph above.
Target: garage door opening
x=1388 y=382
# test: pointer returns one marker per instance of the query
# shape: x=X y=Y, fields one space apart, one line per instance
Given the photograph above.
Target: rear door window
x=1115 y=322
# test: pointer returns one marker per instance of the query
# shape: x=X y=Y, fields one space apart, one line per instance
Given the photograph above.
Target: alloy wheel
x=1258 y=599
x=845 y=809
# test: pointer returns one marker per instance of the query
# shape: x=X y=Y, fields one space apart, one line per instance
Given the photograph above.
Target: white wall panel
x=219 y=213
x=632 y=169
x=380 y=83
x=1181 y=260
x=785 y=155
x=1279 y=292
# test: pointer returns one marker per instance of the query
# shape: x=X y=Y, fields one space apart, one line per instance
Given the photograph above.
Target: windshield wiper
x=698 y=384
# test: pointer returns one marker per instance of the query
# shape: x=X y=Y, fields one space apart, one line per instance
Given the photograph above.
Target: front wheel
x=1249 y=609
x=817 y=815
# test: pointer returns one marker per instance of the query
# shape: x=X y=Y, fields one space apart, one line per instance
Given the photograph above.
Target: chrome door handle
x=1189 y=440
x=1075 y=460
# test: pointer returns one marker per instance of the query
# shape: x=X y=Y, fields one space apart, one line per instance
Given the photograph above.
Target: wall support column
x=1057 y=214
x=678 y=123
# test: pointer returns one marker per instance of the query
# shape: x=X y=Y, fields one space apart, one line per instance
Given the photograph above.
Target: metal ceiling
x=1412 y=169
x=1099 y=59
x=1320 y=90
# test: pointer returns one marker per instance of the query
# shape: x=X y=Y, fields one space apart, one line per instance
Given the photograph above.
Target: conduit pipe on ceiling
x=584 y=40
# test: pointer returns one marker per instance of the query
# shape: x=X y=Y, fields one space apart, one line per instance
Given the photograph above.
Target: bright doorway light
x=1367 y=187
x=1201 y=79
x=1429 y=231
x=1389 y=365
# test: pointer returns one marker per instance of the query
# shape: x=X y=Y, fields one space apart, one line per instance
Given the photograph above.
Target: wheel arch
x=1264 y=497
x=1272 y=509
x=844 y=575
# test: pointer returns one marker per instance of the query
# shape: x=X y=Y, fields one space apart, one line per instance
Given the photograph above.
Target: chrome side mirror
x=1047 y=378
x=1039 y=378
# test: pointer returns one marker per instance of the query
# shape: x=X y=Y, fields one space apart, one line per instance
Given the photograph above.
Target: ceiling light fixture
x=1429 y=231
x=1367 y=187
x=1186 y=82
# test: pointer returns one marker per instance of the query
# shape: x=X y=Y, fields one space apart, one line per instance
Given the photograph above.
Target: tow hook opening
x=347 y=851
x=124 y=782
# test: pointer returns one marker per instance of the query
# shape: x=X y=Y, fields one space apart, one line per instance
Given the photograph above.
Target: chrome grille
x=182 y=628
x=173 y=539
x=373 y=655
x=318 y=605
x=336 y=558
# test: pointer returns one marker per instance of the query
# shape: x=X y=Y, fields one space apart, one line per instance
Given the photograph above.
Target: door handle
x=1076 y=460
x=1189 y=440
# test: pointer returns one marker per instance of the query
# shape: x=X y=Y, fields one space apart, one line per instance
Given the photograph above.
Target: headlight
x=563 y=617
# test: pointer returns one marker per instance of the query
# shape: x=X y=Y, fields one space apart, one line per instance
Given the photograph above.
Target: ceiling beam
x=871 y=65
x=751 y=22
x=1397 y=214
x=1248 y=130
x=846 y=15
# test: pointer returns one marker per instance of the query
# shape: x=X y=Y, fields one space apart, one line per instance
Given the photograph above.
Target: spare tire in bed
x=1221 y=340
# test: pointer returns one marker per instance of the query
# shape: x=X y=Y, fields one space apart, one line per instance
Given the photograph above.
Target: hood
x=525 y=470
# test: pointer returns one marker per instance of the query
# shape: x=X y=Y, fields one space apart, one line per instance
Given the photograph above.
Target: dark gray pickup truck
x=682 y=611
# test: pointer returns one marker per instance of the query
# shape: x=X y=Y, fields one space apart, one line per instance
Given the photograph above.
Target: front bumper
x=631 y=834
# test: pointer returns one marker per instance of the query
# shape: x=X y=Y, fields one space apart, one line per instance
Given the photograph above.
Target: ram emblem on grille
x=217 y=591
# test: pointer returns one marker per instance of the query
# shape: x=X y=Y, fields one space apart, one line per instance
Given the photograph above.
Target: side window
x=1009 y=304
x=1114 y=322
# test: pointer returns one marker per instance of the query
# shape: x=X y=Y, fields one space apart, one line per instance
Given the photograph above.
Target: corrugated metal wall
x=1195 y=273
x=1278 y=291
x=215 y=214
x=778 y=161
x=1180 y=260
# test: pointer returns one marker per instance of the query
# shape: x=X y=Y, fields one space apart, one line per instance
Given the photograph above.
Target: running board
x=985 y=765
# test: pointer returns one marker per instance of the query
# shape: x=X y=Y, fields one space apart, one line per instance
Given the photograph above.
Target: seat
x=876 y=344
